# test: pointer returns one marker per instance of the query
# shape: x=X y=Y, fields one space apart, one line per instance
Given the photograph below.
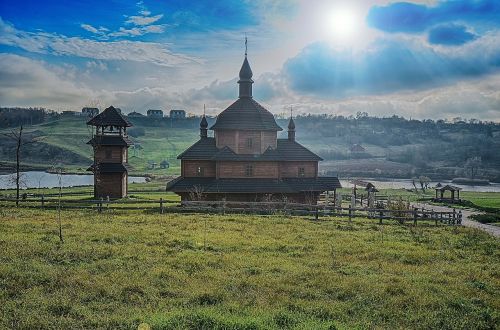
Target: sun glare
x=344 y=23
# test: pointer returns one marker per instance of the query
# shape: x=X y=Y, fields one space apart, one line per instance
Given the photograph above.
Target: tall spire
x=246 y=74
x=203 y=125
x=291 y=127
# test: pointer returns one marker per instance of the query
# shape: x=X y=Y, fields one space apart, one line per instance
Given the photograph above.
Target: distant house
x=135 y=115
x=152 y=164
x=356 y=148
x=90 y=112
x=177 y=114
x=155 y=113
x=69 y=113
x=164 y=164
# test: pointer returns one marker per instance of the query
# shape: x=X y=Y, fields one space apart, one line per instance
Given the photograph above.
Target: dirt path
x=466 y=221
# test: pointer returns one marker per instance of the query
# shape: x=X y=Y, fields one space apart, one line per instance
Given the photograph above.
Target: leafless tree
x=414 y=183
x=17 y=136
x=472 y=165
x=197 y=193
x=424 y=182
x=59 y=178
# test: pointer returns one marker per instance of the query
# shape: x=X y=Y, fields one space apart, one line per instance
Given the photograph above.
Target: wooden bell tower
x=110 y=143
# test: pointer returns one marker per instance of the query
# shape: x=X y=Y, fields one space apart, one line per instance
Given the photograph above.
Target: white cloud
x=89 y=28
x=138 y=31
x=25 y=82
x=55 y=44
x=144 y=19
x=97 y=65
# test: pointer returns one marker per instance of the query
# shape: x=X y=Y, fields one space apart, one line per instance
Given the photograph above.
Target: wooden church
x=110 y=144
x=245 y=161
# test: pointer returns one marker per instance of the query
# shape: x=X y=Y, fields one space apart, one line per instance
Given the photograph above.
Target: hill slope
x=413 y=148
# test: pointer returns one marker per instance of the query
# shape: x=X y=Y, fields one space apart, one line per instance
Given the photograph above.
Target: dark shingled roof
x=109 y=168
x=245 y=71
x=110 y=140
x=286 y=150
x=203 y=149
x=109 y=117
x=253 y=185
x=246 y=114
x=449 y=188
x=292 y=150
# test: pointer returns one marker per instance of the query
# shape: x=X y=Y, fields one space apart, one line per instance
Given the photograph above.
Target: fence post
x=350 y=214
x=43 y=201
x=99 y=205
x=316 y=214
x=454 y=216
x=459 y=217
x=415 y=216
x=161 y=205
x=380 y=214
x=107 y=203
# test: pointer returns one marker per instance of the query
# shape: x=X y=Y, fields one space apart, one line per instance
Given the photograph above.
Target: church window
x=199 y=171
x=302 y=172
x=249 y=142
x=249 y=170
x=108 y=154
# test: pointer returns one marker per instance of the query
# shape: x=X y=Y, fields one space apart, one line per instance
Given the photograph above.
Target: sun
x=343 y=23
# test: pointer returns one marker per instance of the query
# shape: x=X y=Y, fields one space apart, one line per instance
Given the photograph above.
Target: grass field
x=118 y=270
x=484 y=199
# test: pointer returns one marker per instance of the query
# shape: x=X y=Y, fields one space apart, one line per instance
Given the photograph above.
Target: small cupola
x=246 y=75
x=203 y=127
x=291 y=130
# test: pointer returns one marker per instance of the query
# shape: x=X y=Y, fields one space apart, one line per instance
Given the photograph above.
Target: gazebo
x=442 y=189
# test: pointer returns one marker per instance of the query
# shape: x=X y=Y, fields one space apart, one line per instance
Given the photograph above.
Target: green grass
x=483 y=199
x=117 y=270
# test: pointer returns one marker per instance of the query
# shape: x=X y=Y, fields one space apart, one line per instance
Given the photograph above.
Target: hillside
x=390 y=147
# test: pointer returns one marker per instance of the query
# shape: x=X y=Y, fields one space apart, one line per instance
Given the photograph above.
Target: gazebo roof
x=448 y=188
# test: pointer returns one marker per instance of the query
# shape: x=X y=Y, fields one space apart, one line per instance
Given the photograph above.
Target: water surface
x=40 y=179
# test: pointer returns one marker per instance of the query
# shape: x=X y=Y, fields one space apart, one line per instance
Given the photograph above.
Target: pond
x=39 y=179
x=407 y=184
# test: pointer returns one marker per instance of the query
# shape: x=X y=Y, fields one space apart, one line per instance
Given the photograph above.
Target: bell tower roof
x=109 y=117
x=246 y=73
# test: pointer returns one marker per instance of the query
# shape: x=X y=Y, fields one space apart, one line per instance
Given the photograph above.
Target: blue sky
x=419 y=59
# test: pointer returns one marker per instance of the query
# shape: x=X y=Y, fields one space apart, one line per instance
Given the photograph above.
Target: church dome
x=246 y=114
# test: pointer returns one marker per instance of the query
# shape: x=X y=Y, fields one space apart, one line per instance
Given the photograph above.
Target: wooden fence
x=222 y=207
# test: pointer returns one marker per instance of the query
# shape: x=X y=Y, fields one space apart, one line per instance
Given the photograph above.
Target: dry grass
x=177 y=271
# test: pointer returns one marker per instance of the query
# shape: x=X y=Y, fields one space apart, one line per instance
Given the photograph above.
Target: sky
x=417 y=59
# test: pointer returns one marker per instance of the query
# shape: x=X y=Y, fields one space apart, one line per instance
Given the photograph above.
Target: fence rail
x=317 y=211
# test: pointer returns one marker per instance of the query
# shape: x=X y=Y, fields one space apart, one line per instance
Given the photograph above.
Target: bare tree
x=59 y=178
x=424 y=182
x=413 y=182
x=17 y=136
x=472 y=165
x=197 y=193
